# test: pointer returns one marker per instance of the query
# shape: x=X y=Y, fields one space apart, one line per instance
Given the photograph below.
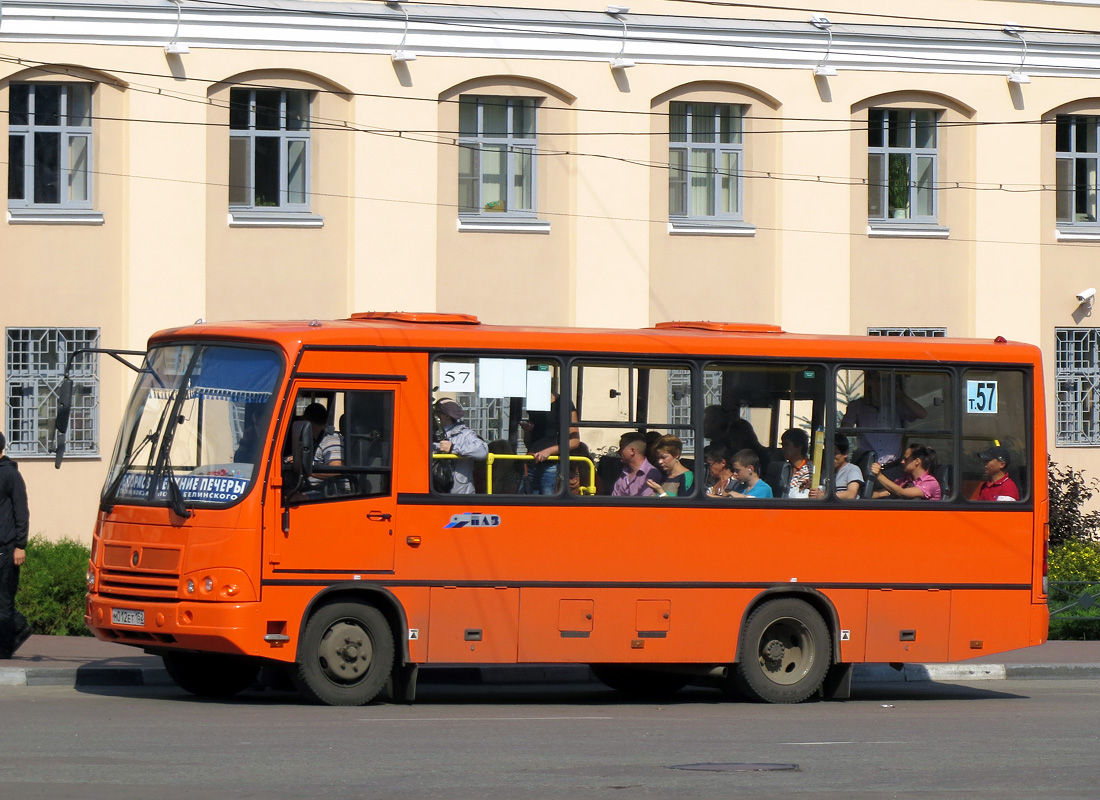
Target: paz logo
x=474 y=520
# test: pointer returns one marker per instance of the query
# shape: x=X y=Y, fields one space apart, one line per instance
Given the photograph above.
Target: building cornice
x=488 y=32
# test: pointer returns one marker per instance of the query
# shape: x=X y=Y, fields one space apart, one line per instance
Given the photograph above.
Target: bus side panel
x=851 y=611
x=908 y=625
x=469 y=625
x=416 y=602
x=984 y=621
x=604 y=625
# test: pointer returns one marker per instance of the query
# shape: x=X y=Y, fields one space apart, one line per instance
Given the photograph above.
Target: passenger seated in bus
x=716 y=423
x=872 y=410
x=678 y=478
x=795 y=446
x=997 y=484
x=607 y=472
x=742 y=436
x=917 y=483
x=746 y=468
x=651 y=439
x=720 y=479
x=847 y=480
x=461 y=441
x=637 y=471
x=579 y=472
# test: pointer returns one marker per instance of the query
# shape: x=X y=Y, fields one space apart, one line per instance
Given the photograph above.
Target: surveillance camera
x=1086 y=295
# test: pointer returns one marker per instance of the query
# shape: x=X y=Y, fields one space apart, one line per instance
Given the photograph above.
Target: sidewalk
x=84 y=661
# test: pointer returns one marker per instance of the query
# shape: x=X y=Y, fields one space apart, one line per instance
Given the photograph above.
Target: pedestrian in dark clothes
x=14 y=520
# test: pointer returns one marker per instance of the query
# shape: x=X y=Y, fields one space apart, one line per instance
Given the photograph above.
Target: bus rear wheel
x=347 y=654
x=211 y=674
x=784 y=653
x=642 y=684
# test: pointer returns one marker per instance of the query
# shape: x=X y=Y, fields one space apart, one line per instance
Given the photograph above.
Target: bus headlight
x=90 y=579
x=190 y=586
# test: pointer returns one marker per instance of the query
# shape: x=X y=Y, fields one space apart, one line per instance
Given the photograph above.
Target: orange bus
x=276 y=496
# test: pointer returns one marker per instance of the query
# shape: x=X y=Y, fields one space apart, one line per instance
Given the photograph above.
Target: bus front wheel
x=347 y=653
x=211 y=674
x=784 y=652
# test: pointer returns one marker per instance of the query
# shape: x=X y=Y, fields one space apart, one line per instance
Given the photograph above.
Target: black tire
x=211 y=674
x=642 y=684
x=785 y=653
x=347 y=653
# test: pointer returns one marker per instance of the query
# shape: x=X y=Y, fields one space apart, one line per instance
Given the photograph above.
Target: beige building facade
x=554 y=164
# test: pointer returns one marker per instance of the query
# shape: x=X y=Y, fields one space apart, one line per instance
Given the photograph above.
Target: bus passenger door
x=342 y=521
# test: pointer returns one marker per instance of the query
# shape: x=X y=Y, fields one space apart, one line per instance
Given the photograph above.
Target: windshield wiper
x=164 y=466
x=108 y=502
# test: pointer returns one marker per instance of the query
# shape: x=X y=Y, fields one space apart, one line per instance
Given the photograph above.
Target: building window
x=927 y=332
x=496 y=155
x=36 y=359
x=1076 y=169
x=50 y=145
x=269 y=136
x=705 y=161
x=1077 y=378
x=901 y=168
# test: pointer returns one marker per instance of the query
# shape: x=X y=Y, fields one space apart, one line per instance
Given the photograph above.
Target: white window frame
x=1077 y=387
x=689 y=145
x=30 y=127
x=34 y=366
x=1071 y=156
x=517 y=146
x=883 y=191
x=245 y=134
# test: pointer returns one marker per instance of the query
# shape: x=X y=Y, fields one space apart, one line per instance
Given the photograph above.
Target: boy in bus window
x=795 y=446
x=746 y=468
x=848 y=479
x=918 y=483
x=637 y=471
x=872 y=410
x=461 y=441
x=997 y=484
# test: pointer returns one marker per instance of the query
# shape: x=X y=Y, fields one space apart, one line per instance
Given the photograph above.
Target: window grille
x=35 y=365
x=928 y=332
x=679 y=401
x=269 y=144
x=1077 y=381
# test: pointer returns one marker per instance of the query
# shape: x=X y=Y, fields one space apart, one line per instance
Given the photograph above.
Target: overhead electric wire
x=568 y=215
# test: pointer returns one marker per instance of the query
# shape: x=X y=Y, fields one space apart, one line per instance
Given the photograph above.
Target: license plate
x=127 y=616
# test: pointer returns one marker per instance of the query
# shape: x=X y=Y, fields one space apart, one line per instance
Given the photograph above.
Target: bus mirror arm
x=301 y=465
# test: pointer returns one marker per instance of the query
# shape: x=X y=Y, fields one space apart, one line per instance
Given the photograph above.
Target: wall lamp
x=176 y=47
x=620 y=61
x=822 y=23
x=1017 y=76
x=400 y=55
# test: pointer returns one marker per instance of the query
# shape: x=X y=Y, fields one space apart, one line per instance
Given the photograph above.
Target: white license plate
x=127 y=616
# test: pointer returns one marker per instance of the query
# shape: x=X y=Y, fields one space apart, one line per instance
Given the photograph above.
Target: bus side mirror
x=61 y=421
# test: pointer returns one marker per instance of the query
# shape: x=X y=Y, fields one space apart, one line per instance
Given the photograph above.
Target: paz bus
x=220 y=545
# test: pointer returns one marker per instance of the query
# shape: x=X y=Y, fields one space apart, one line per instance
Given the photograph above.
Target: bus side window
x=996 y=464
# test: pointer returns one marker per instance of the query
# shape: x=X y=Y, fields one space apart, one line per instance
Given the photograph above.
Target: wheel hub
x=773 y=653
x=345 y=653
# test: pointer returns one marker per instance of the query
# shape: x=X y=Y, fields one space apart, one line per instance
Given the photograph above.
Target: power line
x=565 y=215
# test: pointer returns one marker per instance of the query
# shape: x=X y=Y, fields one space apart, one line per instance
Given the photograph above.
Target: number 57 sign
x=981 y=397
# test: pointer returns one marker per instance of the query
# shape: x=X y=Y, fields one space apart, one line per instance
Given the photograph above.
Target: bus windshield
x=196 y=419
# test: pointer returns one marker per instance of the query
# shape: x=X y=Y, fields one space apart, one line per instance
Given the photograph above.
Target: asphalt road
x=1018 y=739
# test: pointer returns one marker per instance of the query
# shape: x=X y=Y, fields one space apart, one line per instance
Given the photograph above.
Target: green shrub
x=1069 y=490
x=52 y=586
x=1078 y=564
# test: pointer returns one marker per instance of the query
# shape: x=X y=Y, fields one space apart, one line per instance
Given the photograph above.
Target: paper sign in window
x=456 y=376
x=538 y=391
x=981 y=397
x=502 y=377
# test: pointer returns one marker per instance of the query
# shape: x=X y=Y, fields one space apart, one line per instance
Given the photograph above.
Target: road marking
x=815 y=743
x=481 y=719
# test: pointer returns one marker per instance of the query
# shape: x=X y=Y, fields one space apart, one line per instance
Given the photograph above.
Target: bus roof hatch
x=430 y=317
x=720 y=327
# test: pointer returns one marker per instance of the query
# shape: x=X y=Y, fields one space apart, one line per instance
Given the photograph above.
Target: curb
x=571 y=673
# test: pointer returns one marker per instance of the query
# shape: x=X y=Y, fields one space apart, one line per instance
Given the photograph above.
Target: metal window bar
x=1077 y=382
x=35 y=366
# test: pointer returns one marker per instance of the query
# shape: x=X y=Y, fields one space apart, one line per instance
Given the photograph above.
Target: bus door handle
x=378 y=516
